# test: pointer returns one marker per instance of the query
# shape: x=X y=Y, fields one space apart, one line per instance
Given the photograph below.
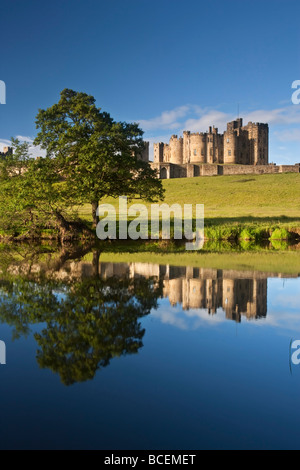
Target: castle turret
x=186 y=147
x=158 y=152
x=198 y=148
x=258 y=135
x=230 y=146
x=145 y=152
x=176 y=150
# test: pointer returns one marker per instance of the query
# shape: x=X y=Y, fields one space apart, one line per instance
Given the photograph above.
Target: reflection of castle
x=237 y=293
x=210 y=289
x=236 y=297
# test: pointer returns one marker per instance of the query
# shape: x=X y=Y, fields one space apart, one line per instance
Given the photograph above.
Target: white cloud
x=195 y=118
x=209 y=118
x=4 y=143
x=289 y=115
x=25 y=139
x=167 y=119
x=292 y=135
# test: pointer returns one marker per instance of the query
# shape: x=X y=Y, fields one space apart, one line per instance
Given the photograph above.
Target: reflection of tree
x=87 y=321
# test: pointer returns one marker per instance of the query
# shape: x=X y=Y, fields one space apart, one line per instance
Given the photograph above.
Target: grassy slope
x=227 y=197
x=240 y=196
x=258 y=199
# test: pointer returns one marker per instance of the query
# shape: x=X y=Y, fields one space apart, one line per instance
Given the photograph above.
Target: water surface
x=146 y=356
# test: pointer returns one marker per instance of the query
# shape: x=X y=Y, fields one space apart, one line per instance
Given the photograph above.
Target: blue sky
x=169 y=65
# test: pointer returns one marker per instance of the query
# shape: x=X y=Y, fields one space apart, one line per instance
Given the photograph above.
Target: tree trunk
x=94 y=214
x=62 y=222
x=95 y=263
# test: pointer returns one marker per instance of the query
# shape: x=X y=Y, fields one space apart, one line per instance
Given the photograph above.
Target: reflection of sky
x=198 y=382
x=283 y=310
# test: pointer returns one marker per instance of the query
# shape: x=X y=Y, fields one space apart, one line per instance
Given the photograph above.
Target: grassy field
x=227 y=197
x=261 y=202
x=275 y=262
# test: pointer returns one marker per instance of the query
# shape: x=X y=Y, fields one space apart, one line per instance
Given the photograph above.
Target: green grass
x=275 y=262
x=241 y=207
x=235 y=197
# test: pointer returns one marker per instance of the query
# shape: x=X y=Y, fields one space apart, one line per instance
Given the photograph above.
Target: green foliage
x=97 y=156
x=280 y=234
x=86 y=321
x=32 y=197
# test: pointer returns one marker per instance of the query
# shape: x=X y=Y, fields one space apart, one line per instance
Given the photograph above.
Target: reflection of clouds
x=186 y=319
x=286 y=322
x=284 y=305
x=291 y=301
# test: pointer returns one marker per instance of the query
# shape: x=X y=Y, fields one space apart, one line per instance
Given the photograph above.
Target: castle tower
x=198 y=147
x=158 y=152
x=258 y=135
x=145 y=152
x=176 y=150
x=210 y=151
x=230 y=147
x=186 y=147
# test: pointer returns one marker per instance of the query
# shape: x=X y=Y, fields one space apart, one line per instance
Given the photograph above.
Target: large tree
x=96 y=155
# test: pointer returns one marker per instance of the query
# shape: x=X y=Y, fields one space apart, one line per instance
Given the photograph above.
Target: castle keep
x=238 y=145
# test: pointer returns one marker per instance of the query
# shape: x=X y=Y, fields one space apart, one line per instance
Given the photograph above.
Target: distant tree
x=97 y=156
x=31 y=194
x=12 y=204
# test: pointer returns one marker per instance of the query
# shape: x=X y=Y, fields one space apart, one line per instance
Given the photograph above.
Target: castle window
x=228 y=140
x=229 y=153
x=195 y=152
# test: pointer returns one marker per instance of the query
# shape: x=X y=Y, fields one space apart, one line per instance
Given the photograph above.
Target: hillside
x=235 y=197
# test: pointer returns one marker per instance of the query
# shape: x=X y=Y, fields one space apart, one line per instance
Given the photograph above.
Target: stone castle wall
x=168 y=170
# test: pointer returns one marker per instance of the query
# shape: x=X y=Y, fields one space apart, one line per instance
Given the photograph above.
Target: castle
x=6 y=151
x=239 y=150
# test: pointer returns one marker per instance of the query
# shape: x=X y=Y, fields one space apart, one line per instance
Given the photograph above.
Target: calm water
x=142 y=356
